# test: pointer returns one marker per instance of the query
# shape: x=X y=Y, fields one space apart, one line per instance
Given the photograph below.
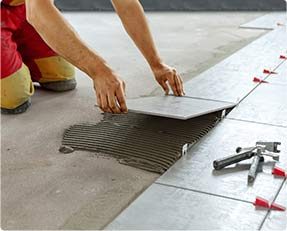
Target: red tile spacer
x=278 y=172
x=277 y=207
x=265 y=71
x=283 y=57
x=261 y=202
x=257 y=80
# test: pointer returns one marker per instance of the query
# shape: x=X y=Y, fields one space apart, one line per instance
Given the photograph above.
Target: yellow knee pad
x=55 y=68
x=16 y=88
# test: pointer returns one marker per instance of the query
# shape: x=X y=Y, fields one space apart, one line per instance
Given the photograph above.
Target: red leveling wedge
x=263 y=203
x=279 y=172
x=257 y=80
x=265 y=71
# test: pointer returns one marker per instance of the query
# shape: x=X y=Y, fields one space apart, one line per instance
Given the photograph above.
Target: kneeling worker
x=38 y=44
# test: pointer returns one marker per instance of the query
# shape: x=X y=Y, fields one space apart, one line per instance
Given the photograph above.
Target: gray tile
x=278 y=220
x=175 y=107
x=216 y=84
x=260 y=54
x=281 y=77
x=268 y=21
x=195 y=170
x=267 y=104
x=168 y=208
x=232 y=79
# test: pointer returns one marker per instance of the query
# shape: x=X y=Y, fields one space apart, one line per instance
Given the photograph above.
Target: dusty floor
x=43 y=189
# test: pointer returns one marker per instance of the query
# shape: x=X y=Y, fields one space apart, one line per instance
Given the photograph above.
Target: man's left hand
x=167 y=77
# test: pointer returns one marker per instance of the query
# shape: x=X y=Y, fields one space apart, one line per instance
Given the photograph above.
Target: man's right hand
x=110 y=91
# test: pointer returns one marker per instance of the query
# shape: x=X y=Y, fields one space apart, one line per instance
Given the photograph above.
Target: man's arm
x=132 y=16
x=61 y=37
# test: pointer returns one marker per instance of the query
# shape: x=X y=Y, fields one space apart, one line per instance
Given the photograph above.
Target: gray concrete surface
x=43 y=189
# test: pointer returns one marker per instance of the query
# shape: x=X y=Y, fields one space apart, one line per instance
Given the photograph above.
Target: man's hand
x=132 y=15
x=110 y=90
x=165 y=74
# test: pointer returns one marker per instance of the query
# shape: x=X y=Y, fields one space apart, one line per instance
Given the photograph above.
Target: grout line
x=202 y=192
x=254 y=122
x=283 y=61
x=214 y=100
x=269 y=211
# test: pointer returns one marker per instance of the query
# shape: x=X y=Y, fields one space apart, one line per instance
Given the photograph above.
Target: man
x=38 y=44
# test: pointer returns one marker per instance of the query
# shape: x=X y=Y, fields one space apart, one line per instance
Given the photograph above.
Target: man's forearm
x=61 y=37
x=132 y=16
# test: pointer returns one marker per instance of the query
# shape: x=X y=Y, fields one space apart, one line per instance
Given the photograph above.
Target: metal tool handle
x=253 y=169
x=221 y=163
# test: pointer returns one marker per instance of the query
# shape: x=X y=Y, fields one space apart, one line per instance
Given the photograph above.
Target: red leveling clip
x=279 y=172
x=257 y=80
x=277 y=207
x=283 y=57
x=263 y=203
x=265 y=71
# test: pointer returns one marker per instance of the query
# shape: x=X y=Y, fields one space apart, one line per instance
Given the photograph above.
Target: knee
x=55 y=68
x=16 y=89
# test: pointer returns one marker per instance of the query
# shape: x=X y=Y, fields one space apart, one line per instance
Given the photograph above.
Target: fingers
x=124 y=87
x=175 y=82
x=164 y=87
x=179 y=84
x=173 y=85
x=104 y=104
x=113 y=104
x=120 y=94
x=99 y=103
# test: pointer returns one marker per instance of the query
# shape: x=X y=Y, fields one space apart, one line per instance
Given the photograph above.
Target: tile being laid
x=267 y=22
x=195 y=169
x=267 y=104
x=232 y=79
x=278 y=220
x=168 y=208
x=175 y=107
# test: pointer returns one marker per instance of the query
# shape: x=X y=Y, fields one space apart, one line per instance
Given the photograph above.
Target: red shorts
x=20 y=43
x=25 y=57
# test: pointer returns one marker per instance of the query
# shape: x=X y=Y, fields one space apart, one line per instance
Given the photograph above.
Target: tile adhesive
x=142 y=141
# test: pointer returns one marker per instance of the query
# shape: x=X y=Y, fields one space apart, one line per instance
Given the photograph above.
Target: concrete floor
x=43 y=189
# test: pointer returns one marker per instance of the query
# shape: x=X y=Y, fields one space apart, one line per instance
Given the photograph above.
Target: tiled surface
x=268 y=21
x=195 y=170
x=175 y=107
x=277 y=220
x=232 y=79
x=267 y=104
x=216 y=83
x=281 y=77
x=168 y=208
x=191 y=195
